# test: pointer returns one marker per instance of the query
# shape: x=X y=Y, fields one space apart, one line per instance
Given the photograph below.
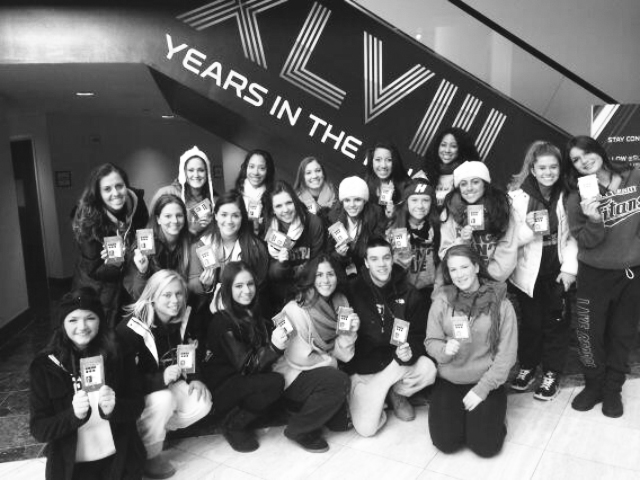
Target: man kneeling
x=390 y=359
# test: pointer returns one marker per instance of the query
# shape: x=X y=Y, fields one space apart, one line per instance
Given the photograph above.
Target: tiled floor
x=545 y=441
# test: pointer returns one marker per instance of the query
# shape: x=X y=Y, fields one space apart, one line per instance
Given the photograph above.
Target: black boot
x=234 y=429
x=612 y=402
x=590 y=396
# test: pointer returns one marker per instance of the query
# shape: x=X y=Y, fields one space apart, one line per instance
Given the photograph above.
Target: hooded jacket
x=377 y=307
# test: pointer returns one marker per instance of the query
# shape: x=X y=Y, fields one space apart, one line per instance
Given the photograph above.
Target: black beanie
x=84 y=298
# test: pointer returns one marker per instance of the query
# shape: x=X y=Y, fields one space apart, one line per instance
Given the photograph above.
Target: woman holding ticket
x=104 y=225
x=604 y=217
x=240 y=353
x=257 y=174
x=385 y=176
x=194 y=187
x=164 y=244
x=479 y=214
x=546 y=269
x=325 y=334
x=472 y=334
x=164 y=338
x=352 y=222
x=294 y=237
x=84 y=399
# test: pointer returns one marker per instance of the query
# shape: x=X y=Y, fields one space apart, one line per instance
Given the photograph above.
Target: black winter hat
x=84 y=298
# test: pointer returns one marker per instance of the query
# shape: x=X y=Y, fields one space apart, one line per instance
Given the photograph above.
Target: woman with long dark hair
x=172 y=242
x=479 y=214
x=194 y=187
x=240 y=354
x=447 y=151
x=310 y=363
x=385 y=176
x=472 y=334
x=108 y=207
x=89 y=424
x=232 y=239
x=361 y=220
x=256 y=176
x=294 y=237
x=605 y=220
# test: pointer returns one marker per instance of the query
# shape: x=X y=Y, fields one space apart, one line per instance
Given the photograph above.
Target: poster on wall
x=617 y=128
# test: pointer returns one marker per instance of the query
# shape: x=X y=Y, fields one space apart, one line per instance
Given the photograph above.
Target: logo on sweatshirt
x=619 y=206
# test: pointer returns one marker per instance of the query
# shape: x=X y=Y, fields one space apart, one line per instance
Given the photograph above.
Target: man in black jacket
x=379 y=369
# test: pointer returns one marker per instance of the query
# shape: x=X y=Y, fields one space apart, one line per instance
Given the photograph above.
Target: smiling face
x=326 y=279
x=418 y=206
x=81 y=326
x=196 y=172
x=283 y=207
x=313 y=176
x=353 y=206
x=171 y=220
x=463 y=273
x=382 y=163
x=448 y=149
x=243 y=288
x=585 y=163
x=229 y=220
x=169 y=301
x=546 y=170
x=472 y=189
x=256 y=170
x=113 y=191
x=379 y=261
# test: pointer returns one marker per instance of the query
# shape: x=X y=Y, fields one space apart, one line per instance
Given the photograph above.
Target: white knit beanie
x=472 y=169
x=353 y=187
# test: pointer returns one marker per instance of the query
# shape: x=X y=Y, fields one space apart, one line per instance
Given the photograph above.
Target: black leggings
x=254 y=392
x=452 y=427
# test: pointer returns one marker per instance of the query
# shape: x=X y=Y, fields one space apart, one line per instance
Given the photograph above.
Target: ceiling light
x=168 y=117
x=85 y=94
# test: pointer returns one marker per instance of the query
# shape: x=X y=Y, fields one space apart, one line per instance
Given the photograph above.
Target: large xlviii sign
x=333 y=80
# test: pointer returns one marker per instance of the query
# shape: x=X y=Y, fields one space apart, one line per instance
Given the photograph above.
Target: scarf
x=322 y=330
x=486 y=299
x=353 y=228
x=249 y=192
x=326 y=197
x=295 y=231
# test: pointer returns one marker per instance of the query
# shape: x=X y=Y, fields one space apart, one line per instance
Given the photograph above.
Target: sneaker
x=612 y=405
x=549 y=387
x=401 y=406
x=523 y=380
x=311 y=441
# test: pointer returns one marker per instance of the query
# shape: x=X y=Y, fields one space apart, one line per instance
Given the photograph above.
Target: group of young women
x=172 y=324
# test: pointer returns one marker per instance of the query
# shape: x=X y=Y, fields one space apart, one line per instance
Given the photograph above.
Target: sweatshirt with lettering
x=613 y=243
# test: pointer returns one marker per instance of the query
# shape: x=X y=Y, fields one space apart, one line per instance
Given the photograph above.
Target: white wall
x=148 y=150
x=13 y=294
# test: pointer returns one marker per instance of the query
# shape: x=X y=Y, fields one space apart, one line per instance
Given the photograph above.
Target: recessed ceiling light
x=85 y=94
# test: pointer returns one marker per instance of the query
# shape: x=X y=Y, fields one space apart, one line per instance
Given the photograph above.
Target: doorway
x=24 y=171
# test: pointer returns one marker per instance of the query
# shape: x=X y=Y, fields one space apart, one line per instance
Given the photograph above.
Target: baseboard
x=15 y=326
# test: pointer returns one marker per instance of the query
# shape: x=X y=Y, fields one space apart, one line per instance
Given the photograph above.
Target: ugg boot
x=612 y=401
x=156 y=466
x=234 y=429
x=590 y=396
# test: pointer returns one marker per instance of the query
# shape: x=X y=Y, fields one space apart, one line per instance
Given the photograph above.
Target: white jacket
x=530 y=245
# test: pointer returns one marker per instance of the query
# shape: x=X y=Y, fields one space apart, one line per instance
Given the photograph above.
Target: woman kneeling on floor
x=239 y=358
x=324 y=334
x=472 y=333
